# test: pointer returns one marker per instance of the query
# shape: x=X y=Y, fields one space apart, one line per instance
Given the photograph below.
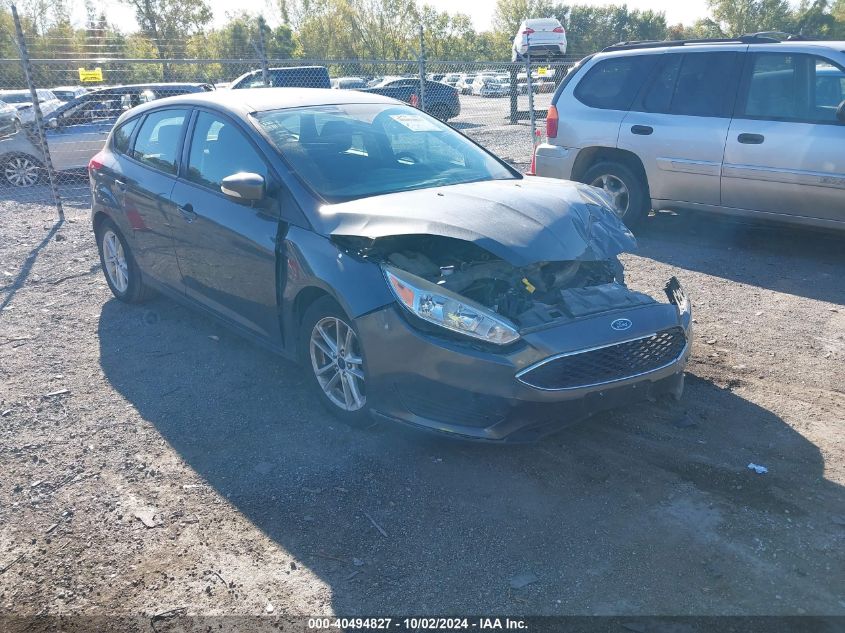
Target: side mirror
x=840 y=112
x=244 y=186
x=53 y=123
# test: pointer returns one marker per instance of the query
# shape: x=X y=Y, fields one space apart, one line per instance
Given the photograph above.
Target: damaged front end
x=512 y=321
x=464 y=288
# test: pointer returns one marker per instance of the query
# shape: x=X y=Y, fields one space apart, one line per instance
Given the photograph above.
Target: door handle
x=751 y=139
x=187 y=212
x=642 y=130
x=121 y=186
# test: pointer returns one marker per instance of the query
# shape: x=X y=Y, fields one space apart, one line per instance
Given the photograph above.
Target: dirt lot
x=153 y=461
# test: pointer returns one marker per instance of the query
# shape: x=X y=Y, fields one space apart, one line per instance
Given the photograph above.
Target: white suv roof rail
x=768 y=37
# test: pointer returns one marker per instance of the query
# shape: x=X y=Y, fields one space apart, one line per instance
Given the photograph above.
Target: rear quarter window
x=123 y=135
x=612 y=84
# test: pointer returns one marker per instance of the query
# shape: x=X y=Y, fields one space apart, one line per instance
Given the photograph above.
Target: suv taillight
x=558 y=29
x=551 y=122
x=528 y=31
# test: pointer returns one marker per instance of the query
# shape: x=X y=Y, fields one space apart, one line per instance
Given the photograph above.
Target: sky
x=481 y=11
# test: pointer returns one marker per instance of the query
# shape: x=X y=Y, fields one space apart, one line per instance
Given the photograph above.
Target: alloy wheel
x=21 y=171
x=337 y=363
x=617 y=190
x=115 y=259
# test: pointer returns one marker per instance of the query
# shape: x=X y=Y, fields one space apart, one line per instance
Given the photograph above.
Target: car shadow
x=794 y=260
x=464 y=125
x=631 y=512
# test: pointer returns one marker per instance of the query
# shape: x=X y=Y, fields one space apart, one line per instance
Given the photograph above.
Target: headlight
x=437 y=305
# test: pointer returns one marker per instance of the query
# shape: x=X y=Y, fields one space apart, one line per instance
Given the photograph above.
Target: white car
x=487 y=86
x=464 y=84
x=22 y=100
x=541 y=38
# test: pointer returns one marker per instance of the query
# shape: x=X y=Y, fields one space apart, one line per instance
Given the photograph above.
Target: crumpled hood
x=521 y=221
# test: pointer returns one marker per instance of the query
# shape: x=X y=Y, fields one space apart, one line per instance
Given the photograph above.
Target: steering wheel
x=406 y=158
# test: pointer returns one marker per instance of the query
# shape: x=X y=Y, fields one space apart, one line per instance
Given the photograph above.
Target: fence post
x=530 y=87
x=36 y=107
x=262 y=51
x=422 y=68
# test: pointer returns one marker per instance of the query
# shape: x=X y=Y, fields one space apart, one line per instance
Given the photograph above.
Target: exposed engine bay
x=529 y=296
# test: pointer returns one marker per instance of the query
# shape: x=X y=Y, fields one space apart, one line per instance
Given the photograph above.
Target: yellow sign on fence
x=541 y=71
x=91 y=75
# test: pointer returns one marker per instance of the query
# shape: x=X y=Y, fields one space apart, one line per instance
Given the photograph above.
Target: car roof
x=249 y=100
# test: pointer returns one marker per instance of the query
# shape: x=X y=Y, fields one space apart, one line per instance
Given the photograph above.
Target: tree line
x=367 y=29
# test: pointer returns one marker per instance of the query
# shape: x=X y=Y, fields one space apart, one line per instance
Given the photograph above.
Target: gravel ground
x=154 y=461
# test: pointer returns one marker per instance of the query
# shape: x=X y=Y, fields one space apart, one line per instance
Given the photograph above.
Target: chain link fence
x=46 y=144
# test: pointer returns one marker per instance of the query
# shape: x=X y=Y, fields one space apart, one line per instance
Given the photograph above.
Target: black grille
x=609 y=364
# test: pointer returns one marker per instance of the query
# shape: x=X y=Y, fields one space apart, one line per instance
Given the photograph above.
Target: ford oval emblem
x=621 y=324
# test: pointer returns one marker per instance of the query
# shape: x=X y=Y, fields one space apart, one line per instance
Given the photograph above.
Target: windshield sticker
x=415 y=122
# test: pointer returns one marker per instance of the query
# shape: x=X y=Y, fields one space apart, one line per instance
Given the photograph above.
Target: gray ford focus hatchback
x=416 y=277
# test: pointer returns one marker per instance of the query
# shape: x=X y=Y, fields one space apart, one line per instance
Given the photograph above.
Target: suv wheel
x=626 y=189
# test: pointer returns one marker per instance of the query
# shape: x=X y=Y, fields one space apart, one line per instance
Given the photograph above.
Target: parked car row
x=22 y=101
x=76 y=130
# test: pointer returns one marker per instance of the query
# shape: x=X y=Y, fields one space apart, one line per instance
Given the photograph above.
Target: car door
x=785 y=152
x=144 y=185
x=679 y=122
x=226 y=249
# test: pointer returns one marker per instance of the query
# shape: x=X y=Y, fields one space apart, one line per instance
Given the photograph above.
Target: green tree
x=169 y=23
x=738 y=17
x=510 y=13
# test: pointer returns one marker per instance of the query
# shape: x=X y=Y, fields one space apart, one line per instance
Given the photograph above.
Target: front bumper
x=441 y=384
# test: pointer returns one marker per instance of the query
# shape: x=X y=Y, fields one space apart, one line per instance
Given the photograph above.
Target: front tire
x=332 y=354
x=119 y=267
x=626 y=189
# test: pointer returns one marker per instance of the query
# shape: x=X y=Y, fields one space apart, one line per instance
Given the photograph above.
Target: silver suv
x=750 y=127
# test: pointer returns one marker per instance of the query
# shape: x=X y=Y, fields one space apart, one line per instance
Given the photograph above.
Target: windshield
x=16 y=97
x=350 y=151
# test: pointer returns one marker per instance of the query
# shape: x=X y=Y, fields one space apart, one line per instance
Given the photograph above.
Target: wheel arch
x=305 y=298
x=98 y=218
x=590 y=156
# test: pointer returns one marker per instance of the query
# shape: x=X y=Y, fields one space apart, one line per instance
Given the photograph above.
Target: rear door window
x=158 y=140
x=612 y=84
x=693 y=84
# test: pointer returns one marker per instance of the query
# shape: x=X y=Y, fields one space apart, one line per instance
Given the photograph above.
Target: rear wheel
x=626 y=190
x=21 y=170
x=332 y=354
x=119 y=266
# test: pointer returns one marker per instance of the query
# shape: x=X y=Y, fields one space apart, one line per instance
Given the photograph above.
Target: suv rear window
x=613 y=83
